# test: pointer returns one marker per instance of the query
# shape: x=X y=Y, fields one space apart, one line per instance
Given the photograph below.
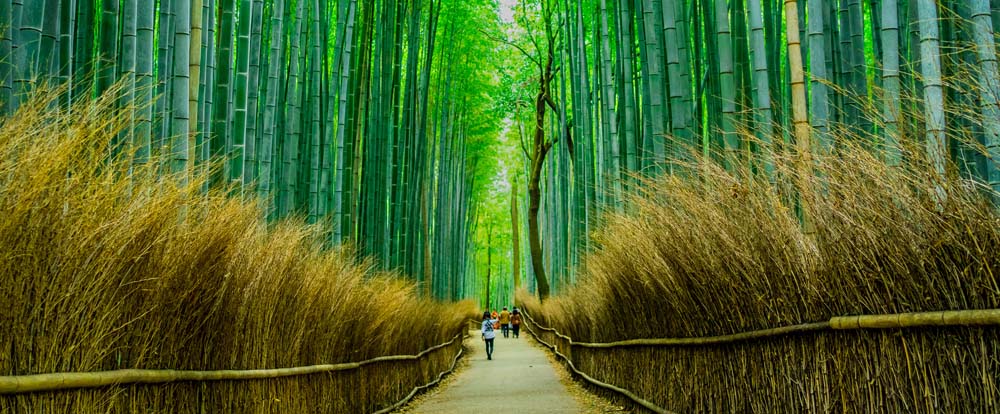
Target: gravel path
x=519 y=379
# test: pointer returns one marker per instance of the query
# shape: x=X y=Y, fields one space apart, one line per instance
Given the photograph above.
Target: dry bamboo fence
x=914 y=320
x=67 y=381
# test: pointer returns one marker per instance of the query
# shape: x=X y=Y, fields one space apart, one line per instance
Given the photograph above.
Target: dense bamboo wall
x=347 y=113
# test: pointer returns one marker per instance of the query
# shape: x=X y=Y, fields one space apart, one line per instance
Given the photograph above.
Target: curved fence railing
x=24 y=384
x=963 y=318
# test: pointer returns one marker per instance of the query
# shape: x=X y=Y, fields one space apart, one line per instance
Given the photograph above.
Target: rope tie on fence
x=19 y=384
x=981 y=317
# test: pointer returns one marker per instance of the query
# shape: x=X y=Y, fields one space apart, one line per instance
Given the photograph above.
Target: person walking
x=505 y=322
x=495 y=316
x=515 y=322
x=488 y=334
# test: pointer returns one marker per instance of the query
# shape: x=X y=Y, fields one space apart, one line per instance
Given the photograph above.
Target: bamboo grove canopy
x=378 y=119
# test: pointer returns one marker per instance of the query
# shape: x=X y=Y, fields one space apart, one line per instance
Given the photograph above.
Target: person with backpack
x=505 y=322
x=515 y=322
x=488 y=334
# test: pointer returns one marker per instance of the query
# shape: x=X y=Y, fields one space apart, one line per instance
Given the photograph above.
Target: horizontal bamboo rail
x=980 y=317
x=20 y=384
x=983 y=317
x=918 y=319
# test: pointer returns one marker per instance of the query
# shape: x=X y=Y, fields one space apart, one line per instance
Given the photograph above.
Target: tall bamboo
x=142 y=140
x=891 y=81
x=989 y=86
x=799 y=117
x=930 y=67
x=237 y=154
x=271 y=111
x=819 y=76
x=180 y=92
x=763 y=120
x=723 y=35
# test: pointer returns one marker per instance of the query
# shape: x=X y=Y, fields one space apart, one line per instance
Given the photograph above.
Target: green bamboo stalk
x=252 y=137
x=819 y=106
x=891 y=81
x=930 y=67
x=989 y=86
x=206 y=96
x=316 y=138
x=275 y=64
x=48 y=63
x=106 y=70
x=342 y=177
x=180 y=92
x=141 y=142
x=723 y=34
x=290 y=145
x=222 y=115
x=6 y=57
x=858 y=84
x=26 y=52
x=763 y=122
x=83 y=48
x=127 y=64
x=626 y=51
x=164 y=74
x=653 y=28
x=676 y=51
x=238 y=156
x=608 y=116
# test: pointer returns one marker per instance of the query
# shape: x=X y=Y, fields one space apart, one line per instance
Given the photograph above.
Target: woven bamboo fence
x=912 y=362
x=378 y=385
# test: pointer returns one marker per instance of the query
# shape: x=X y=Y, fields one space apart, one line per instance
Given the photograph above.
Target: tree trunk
x=515 y=236
x=534 y=242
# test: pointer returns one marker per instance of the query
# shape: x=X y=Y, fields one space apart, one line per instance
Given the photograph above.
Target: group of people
x=507 y=322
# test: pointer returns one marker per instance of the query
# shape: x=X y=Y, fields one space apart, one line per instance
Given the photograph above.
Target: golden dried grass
x=720 y=252
x=107 y=265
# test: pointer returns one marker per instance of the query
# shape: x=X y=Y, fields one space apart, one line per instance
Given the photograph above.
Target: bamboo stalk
x=20 y=384
x=918 y=319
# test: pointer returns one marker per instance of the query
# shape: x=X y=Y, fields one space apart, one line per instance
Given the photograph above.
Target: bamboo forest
x=320 y=206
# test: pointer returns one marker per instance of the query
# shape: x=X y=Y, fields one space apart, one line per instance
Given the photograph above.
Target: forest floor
x=521 y=378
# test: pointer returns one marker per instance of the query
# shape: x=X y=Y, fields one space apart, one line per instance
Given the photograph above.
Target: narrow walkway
x=519 y=380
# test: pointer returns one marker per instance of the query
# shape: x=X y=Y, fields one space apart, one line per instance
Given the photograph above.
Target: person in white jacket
x=488 y=334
